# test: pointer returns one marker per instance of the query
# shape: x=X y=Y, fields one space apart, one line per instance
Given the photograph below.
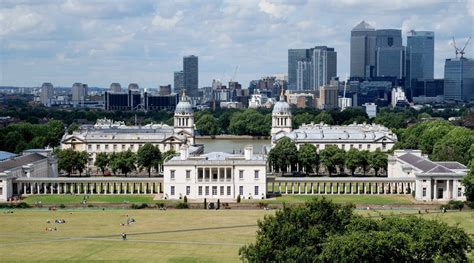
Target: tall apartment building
x=459 y=79
x=115 y=87
x=191 y=75
x=420 y=56
x=313 y=70
x=303 y=75
x=79 y=93
x=178 y=81
x=47 y=93
x=295 y=55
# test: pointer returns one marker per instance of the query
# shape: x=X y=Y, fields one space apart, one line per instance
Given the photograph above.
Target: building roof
x=20 y=161
x=219 y=156
x=6 y=155
x=184 y=105
x=353 y=132
x=427 y=166
x=363 y=26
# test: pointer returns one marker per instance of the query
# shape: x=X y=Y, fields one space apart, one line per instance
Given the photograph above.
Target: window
x=115 y=147
x=200 y=190
x=256 y=174
x=106 y=146
x=97 y=147
x=368 y=146
x=214 y=190
x=188 y=174
x=172 y=190
x=424 y=181
x=89 y=147
x=123 y=146
x=229 y=190
x=241 y=174
x=459 y=191
x=207 y=190
x=131 y=146
x=241 y=190
x=344 y=146
x=1 y=190
x=188 y=190
x=424 y=191
x=256 y=190
x=172 y=174
x=222 y=190
x=384 y=146
x=360 y=146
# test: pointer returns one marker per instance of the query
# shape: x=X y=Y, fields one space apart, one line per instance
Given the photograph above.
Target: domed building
x=184 y=119
x=281 y=116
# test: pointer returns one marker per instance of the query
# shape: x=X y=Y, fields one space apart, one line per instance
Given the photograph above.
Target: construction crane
x=460 y=50
x=235 y=73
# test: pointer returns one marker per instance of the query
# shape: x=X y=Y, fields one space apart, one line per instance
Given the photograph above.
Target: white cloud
x=22 y=19
x=470 y=7
x=167 y=23
x=273 y=9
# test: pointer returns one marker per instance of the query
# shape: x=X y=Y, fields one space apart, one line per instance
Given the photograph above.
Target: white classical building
x=215 y=175
x=109 y=136
x=31 y=164
x=360 y=136
x=434 y=181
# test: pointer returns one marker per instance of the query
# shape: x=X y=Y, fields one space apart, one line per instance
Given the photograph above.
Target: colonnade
x=108 y=187
x=340 y=187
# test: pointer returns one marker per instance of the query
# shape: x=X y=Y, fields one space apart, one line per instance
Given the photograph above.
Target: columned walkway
x=89 y=185
x=340 y=185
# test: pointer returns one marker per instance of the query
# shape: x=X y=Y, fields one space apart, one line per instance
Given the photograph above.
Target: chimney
x=184 y=153
x=248 y=152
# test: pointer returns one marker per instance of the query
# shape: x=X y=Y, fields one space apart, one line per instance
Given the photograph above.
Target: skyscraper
x=459 y=79
x=79 y=93
x=420 y=56
x=178 y=81
x=115 y=87
x=390 y=53
x=295 y=55
x=363 y=43
x=324 y=63
x=303 y=75
x=191 y=71
x=47 y=93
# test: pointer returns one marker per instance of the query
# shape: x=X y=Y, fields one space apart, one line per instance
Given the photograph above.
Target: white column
x=435 y=197
x=448 y=190
x=455 y=189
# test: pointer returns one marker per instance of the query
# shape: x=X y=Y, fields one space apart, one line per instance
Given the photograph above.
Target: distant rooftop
x=363 y=26
x=20 y=161
x=6 y=155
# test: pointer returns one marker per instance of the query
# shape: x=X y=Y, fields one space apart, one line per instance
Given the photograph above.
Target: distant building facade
x=47 y=94
x=178 y=81
x=363 y=46
x=79 y=93
x=191 y=75
x=420 y=56
x=459 y=79
x=328 y=97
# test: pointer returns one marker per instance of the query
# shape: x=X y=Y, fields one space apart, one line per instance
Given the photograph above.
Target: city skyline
x=103 y=42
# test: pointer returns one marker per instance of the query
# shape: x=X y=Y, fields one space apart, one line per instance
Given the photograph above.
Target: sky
x=143 y=41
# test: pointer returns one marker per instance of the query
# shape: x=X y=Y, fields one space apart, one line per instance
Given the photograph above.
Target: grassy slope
x=355 y=199
x=77 y=199
x=165 y=236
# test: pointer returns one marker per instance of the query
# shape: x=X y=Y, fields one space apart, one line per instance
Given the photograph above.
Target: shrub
x=185 y=199
x=205 y=203
x=90 y=205
x=160 y=205
x=453 y=205
x=62 y=206
x=262 y=204
x=182 y=206
x=238 y=199
x=218 y=204
x=22 y=205
x=142 y=206
x=12 y=206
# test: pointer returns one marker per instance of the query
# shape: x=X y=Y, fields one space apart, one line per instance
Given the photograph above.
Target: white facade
x=32 y=164
x=371 y=110
x=434 y=181
x=281 y=116
x=215 y=175
x=398 y=95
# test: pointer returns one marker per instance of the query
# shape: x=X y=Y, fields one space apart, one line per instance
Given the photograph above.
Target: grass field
x=164 y=236
x=77 y=199
x=355 y=199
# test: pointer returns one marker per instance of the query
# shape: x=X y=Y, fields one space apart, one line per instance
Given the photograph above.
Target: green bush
x=160 y=205
x=182 y=206
x=62 y=206
x=453 y=205
x=90 y=205
x=17 y=205
x=142 y=206
x=238 y=199
x=205 y=203
x=185 y=200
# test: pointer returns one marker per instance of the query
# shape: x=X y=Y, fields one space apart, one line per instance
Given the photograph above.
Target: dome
x=184 y=106
x=282 y=106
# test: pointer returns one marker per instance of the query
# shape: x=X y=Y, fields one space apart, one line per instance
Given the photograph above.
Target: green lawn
x=355 y=199
x=77 y=199
x=164 y=236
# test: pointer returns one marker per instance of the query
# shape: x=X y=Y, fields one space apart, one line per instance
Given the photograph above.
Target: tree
x=364 y=161
x=55 y=131
x=327 y=159
x=283 y=155
x=308 y=158
x=72 y=128
x=302 y=118
x=454 y=146
x=321 y=231
x=353 y=160
x=378 y=160
x=81 y=160
x=149 y=156
x=339 y=160
x=468 y=182
x=207 y=125
x=123 y=161
x=70 y=160
x=102 y=161
x=167 y=155
x=324 y=117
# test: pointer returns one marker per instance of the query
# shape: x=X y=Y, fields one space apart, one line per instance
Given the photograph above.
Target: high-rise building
x=79 y=93
x=191 y=75
x=459 y=79
x=178 y=81
x=420 y=56
x=324 y=66
x=47 y=93
x=363 y=43
x=390 y=53
x=115 y=87
x=295 y=55
x=165 y=90
x=328 y=97
x=303 y=75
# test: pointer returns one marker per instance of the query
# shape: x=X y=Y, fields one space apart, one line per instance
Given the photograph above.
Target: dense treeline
x=285 y=157
x=440 y=140
x=321 y=231
x=21 y=136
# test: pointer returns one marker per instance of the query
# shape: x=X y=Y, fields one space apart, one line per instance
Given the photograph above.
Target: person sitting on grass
x=124 y=236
